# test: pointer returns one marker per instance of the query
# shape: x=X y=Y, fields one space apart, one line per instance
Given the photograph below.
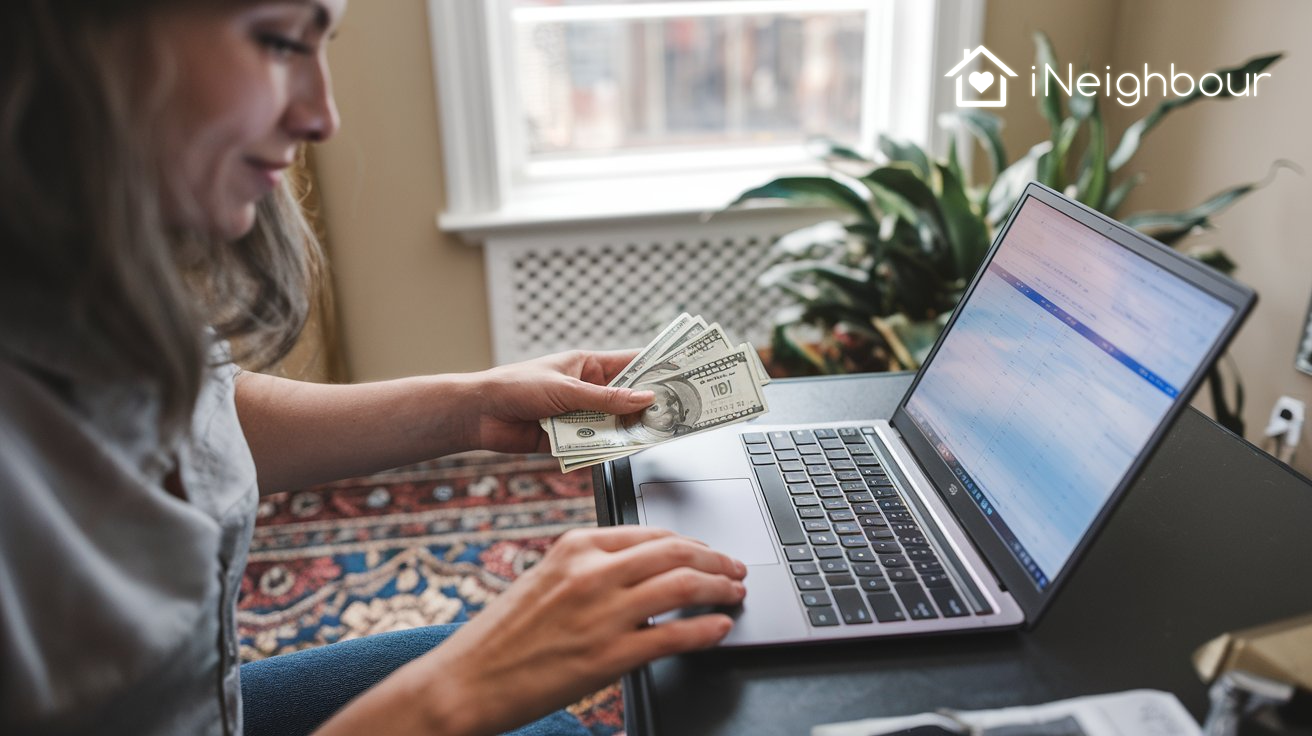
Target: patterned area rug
x=420 y=545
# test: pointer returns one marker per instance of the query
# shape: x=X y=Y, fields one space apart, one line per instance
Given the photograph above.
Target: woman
x=150 y=239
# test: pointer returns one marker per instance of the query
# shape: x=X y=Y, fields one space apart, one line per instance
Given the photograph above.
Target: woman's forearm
x=305 y=433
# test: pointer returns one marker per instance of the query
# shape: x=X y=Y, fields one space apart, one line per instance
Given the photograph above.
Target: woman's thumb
x=612 y=399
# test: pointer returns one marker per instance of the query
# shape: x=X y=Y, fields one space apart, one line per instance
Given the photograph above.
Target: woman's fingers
x=613 y=538
x=670 y=638
x=681 y=588
x=660 y=554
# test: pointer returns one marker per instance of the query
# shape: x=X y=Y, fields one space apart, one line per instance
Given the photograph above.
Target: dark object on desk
x=1213 y=537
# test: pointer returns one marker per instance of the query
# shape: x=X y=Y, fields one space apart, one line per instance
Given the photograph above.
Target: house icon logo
x=984 y=80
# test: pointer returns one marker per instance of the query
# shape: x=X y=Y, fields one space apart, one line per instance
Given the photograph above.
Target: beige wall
x=412 y=300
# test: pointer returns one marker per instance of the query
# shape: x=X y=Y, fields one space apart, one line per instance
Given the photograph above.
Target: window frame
x=486 y=193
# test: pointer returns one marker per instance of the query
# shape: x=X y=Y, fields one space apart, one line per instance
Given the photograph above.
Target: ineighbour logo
x=1130 y=87
x=988 y=75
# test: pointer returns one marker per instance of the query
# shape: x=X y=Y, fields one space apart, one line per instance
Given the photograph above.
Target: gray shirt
x=117 y=598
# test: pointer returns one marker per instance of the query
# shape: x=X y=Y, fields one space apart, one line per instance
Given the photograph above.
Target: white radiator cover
x=605 y=287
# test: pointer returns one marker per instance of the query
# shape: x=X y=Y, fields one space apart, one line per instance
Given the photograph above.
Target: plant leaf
x=1118 y=195
x=1216 y=258
x=1171 y=227
x=823 y=147
x=906 y=152
x=813 y=241
x=808 y=191
x=1134 y=134
x=899 y=190
x=1091 y=186
x=1011 y=182
x=967 y=236
x=986 y=128
x=1052 y=165
x=1049 y=105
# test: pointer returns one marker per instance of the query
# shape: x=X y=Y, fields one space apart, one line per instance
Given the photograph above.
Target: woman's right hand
x=572 y=624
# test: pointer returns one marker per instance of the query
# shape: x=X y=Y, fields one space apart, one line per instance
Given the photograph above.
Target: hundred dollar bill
x=675 y=333
x=714 y=394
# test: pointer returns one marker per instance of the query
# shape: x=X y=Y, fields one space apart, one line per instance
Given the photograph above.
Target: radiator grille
x=608 y=290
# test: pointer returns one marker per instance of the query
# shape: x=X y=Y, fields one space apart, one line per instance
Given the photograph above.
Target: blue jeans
x=293 y=694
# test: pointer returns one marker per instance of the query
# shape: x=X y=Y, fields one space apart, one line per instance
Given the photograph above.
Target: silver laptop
x=1073 y=349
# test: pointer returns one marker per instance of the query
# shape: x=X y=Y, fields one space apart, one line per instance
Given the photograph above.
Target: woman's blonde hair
x=81 y=221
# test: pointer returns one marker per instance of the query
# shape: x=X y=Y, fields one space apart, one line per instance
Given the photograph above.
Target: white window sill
x=568 y=205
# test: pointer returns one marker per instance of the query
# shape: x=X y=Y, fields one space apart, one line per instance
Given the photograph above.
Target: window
x=578 y=109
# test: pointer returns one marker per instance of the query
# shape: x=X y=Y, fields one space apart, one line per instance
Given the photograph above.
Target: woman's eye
x=282 y=46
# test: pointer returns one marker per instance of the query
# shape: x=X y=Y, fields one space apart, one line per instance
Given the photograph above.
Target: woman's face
x=250 y=84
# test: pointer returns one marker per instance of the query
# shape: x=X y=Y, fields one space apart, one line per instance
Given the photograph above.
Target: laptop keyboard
x=857 y=554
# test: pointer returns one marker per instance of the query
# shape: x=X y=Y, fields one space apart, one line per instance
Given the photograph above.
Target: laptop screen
x=1057 y=371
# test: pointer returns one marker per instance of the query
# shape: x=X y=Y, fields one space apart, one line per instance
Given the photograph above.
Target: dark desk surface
x=1214 y=536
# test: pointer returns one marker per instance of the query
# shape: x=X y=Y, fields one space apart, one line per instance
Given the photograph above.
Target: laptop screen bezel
x=1010 y=571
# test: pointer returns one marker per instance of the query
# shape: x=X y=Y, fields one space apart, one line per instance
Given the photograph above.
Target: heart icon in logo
x=981 y=80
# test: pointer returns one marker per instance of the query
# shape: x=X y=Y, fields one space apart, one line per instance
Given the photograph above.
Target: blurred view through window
x=597 y=78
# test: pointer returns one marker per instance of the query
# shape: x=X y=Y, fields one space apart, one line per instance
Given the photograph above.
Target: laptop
x=1072 y=351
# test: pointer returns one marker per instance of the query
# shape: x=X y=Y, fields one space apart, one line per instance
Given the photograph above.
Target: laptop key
x=893 y=561
x=798 y=476
x=815 y=469
x=839 y=579
x=781 y=512
x=867 y=569
x=866 y=509
x=825 y=434
x=843 y=475
x=851 y=607
x=886 y=607
x=803 y=436
x=812 y=512
x=834 y=504
x=799 y=501
x=852 y=486
x=847 y=527
x=901 y=575
x=837 y=453
x=936 y=580
x=880 y=492
x=842 y=465
x=875 y=585
x=860 y=554
x=810 y=450
x=804 y=568
x=815 y=525
x=914 y=598
x=798 y=553
x=886 y=548
x=880 y=535
x=822 y=616
x=866 y=461
x=798 y=489
x=905 y=527
x=753 y=438
x=759 y=450
x=891 y=504
x=816 y=598
x=860 y=497
x=860 y=450
x=824 y=480
x=830 y=492
x=852 y=540
x=762 y=459
x=792 y=466
x=921 y=554
x=851 y=436
x=927 y=567
x=788 y=455
x=830 y=443
x=914 y=541
x=823 y=538
x=828 y=553
x=898 y=516
x=782 y=441
x=873 y=520
x=949 y=603
x=836 y=565
x=809 y=582
x=841 y=515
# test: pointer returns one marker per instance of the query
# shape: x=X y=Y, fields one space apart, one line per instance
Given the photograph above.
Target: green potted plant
x=873 y=290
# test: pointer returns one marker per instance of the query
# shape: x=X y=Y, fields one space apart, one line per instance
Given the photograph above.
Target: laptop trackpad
x=724 y=514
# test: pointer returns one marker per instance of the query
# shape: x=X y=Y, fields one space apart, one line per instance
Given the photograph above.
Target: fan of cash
x=701 y=382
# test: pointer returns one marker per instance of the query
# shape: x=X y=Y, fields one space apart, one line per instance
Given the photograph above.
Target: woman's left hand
x=514 y=397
